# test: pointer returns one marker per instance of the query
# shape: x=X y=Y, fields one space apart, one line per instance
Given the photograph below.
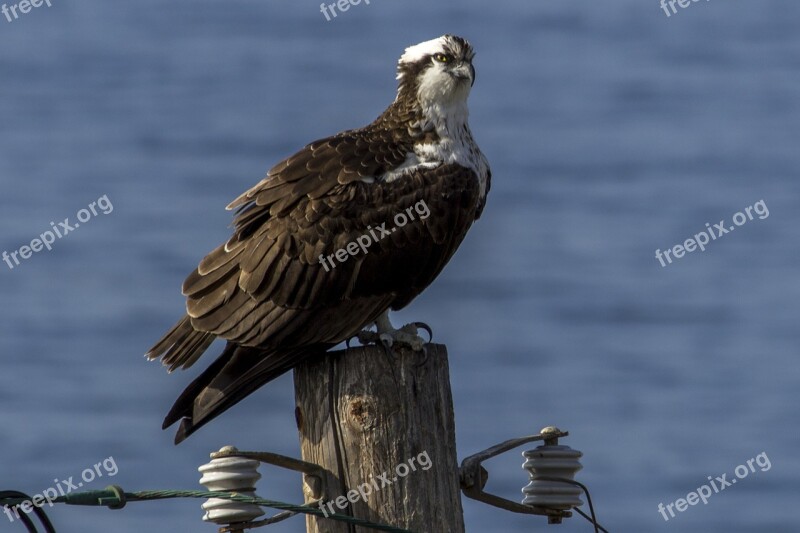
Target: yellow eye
x=442 y=58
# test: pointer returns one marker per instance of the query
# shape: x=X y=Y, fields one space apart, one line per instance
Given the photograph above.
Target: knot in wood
x=361 y=412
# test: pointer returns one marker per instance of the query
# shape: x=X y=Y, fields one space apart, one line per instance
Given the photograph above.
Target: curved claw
x=426 y=356
x=426 y=327
x=407 y=336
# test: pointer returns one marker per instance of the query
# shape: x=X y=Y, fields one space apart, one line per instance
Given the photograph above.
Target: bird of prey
x=271 y=291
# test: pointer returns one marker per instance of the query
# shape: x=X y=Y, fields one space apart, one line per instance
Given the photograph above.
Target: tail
x=237 y=372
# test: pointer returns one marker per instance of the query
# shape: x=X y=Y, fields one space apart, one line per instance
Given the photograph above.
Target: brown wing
x=265 y=290
x=266 y=287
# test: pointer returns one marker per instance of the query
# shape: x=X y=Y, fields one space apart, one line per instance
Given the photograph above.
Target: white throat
x=448 y=117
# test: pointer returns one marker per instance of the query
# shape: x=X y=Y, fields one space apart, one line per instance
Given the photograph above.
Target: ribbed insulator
x=552 y=461
x=231 y=474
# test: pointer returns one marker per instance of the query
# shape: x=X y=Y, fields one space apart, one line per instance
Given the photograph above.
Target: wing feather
x=266 y=287
x=220 y=257
x=213 y=297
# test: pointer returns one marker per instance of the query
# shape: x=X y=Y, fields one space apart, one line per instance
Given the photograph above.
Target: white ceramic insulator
x=552 y=461
x=230 y=474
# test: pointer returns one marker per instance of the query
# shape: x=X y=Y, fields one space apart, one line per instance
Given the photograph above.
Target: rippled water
x=612 y=130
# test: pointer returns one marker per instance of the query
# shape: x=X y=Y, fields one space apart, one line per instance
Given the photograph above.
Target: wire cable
x=114 y=497
x=15 y=498
x=593 y=517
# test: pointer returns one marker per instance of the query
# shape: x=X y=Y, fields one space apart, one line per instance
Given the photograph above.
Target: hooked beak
x=464 y=71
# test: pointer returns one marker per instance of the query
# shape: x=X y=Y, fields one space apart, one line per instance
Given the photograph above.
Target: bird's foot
x=408 y=336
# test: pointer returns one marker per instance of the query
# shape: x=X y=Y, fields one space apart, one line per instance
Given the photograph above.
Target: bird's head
x=437 y=72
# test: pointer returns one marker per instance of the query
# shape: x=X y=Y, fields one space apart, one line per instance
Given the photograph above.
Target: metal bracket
x=474 y=476
x=313 y=474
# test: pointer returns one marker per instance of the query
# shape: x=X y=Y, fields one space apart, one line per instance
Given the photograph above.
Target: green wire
x=115 y=498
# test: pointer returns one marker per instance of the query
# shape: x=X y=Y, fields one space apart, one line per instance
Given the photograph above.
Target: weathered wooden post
x=382 y=427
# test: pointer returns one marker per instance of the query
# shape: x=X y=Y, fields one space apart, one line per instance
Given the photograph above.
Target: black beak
x=464 y=71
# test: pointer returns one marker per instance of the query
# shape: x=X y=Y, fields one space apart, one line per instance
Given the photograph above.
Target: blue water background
x=612 y=130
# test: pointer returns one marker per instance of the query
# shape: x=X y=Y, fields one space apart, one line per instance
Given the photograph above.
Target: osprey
x=265 y=290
